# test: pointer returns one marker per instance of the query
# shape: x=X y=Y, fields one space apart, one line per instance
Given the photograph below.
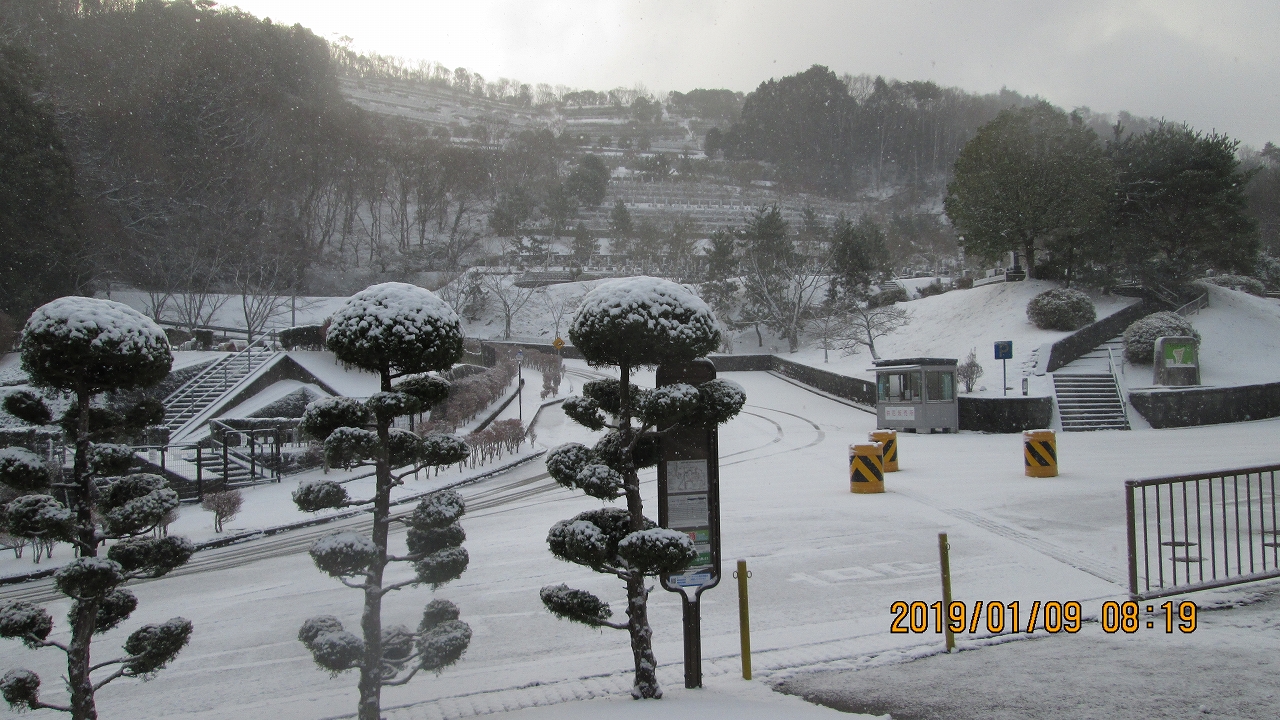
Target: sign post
x=520 y=383
x=1004 y=351
x=689 y=502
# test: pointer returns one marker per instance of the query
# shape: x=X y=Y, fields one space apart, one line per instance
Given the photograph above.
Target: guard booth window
x=899 y=387
x=940 y=386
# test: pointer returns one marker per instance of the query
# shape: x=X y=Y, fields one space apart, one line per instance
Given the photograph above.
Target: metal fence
x=1196 y=532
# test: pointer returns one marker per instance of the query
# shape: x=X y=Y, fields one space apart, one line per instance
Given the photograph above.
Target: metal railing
x=1115 y=378
x=1196 y=532
x=253 y=357
x=1195 y=306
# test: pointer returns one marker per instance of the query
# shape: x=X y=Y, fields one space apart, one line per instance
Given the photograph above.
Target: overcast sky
x=1215 y=65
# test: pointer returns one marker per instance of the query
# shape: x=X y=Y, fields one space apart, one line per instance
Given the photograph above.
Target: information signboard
x=689 y=502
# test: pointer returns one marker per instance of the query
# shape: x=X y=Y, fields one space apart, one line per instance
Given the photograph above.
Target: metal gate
x=1195 y=532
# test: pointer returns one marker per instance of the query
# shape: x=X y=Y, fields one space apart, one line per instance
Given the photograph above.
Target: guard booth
x=917 y=395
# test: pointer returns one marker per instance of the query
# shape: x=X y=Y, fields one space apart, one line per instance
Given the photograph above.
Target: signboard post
x=689 y=502
x=1004 y=351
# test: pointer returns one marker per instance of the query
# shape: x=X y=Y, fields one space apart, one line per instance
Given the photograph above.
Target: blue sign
x=1004 y=350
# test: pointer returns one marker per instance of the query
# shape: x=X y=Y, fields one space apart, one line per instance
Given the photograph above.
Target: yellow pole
x=744 y=619
x=944 y=552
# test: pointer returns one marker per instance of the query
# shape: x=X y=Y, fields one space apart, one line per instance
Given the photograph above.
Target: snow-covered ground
x=950 y=325
x=826 y=565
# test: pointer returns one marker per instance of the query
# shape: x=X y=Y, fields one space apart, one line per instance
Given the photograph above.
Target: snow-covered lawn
x=826 y=565
x=949 y=326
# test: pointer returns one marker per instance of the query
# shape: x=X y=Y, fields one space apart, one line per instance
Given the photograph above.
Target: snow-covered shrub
x=1243 y=283
x=108 y=459
x=343 y=554
x=442 y=566
x=88 y=577
x=1061 y=309
x=888 y=295
x=135 y=504
x=116 y=607
x=28 y=407
x=391 y=405
x=151 y=647
x=934 y=288
x=315 y=495
x=93 y=345
x=324 y=416
x=224 y=505
x=643 y=321
x=396 y=325
x=443 y=644
x=564 y=462
x=577 y=605
x=658 y=550
x=428 y=390
x=23 y=470
x=1140 y=337
x=38 y=517
x=600 y=481
x=24 y=621
x=964 y=283
x=424 y=541
x=348 y=446
x=21 y=689
x=150 y=556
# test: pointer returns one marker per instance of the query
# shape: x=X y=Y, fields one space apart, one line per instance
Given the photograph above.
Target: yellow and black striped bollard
x=866 y=468
x=1040 y=452
x=889 y=438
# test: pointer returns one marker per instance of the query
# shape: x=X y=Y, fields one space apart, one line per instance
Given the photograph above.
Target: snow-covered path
x=826 y=565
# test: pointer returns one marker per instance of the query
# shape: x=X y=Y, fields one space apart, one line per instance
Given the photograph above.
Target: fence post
x=744 y=619
x=1133 y=540
x=944 y=554
x=226 y=464
x=200 y=473
x=253 y=464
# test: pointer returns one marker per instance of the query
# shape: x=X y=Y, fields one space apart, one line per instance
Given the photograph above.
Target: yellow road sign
x=557 y=343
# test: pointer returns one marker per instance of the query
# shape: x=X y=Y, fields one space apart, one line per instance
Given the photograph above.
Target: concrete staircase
x=1087 y=393
x=1089 y=402
x=189 y=401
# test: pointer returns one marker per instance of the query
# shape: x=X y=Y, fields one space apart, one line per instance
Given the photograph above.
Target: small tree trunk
x=84 y=613
x=646 y=682
x=370 y=685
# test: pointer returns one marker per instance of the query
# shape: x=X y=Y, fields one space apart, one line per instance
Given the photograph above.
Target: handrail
x=221 y=363
x=1195 y=306
x=1111 y=362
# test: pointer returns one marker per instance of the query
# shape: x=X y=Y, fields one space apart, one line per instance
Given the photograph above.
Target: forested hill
x=195 y=137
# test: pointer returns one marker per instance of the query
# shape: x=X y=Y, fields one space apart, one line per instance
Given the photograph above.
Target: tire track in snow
x=1097 y=567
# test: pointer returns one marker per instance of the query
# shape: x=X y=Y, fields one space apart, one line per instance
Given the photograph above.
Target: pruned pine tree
x=629 y=323
x=401 y=332
x=86 y=346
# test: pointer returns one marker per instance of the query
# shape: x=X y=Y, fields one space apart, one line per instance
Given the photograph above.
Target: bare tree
x=511 y=298
x=829 y=325
x=783 y=294
x=560 y=305
x=866 y=324
x=264 y=292
x=464 y=294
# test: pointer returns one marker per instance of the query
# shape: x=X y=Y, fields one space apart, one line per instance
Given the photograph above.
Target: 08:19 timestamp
x=1124 y=617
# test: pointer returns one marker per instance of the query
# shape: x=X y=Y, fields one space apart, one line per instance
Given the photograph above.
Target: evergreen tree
x=858 y=256
x=37 y=193
x=629 y=323
x=1031 y=177
x=620 y=227
x=589 y=181
x=1181 y=207
x=398 y=331
x=85 y=347
x=584 y=245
